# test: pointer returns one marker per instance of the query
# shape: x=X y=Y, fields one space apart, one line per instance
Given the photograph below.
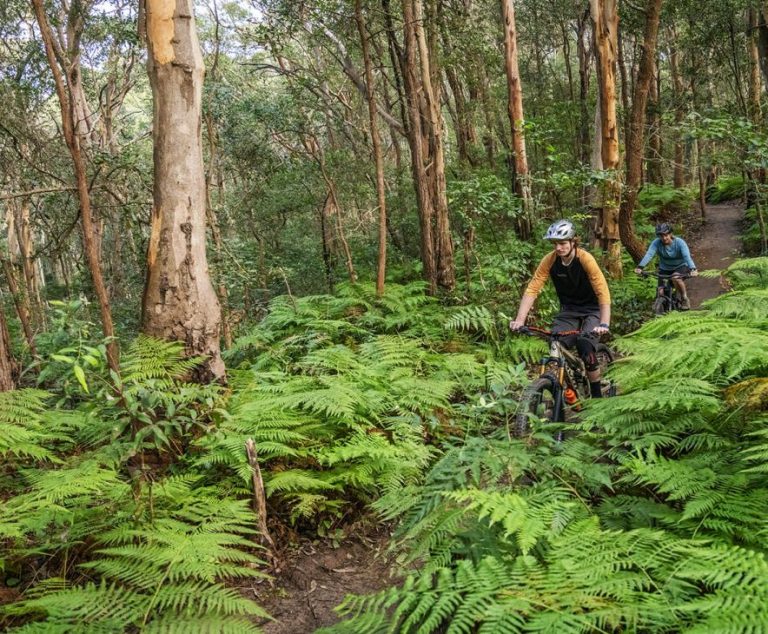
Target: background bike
x=667 y=297
x=562 y=385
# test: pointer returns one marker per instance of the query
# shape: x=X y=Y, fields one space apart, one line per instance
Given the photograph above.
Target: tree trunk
x=214 y=182
x=418 y=151
x=678 y=173
x=22 y=307
x=325 y=236
x=654 y=162
x=636 y=132
x=32 y=280
x=762 y=39
x=606 y=21
x=7 y=364
x=522 y=184
x=378 y=158
x=584 y=53
x=755 y=87
x=433 y=127
x=179 y=302
x=625 y=84
x=69 y=97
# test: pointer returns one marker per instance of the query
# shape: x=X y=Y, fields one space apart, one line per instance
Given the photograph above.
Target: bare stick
x=259 y=497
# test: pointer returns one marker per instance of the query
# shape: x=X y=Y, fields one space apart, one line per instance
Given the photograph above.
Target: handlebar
x=533 y=331
x=676 y=276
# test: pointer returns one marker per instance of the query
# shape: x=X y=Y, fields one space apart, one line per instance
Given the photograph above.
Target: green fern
x=473 y=319
x=160 y=575
x=22 y=432
x=693 y=345
x=748 y=306
x=749 y=273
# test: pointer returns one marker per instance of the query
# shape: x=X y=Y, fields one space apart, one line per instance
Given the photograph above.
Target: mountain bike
x=667 y=297
x=562 y=385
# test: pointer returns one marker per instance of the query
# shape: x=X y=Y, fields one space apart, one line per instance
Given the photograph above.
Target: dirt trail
x=316 y=576
x=714 y=245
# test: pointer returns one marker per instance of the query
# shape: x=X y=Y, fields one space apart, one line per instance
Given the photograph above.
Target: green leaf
x=80 y=376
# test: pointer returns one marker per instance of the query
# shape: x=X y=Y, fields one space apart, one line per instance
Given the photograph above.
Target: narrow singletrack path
x=316 y=576
x=715 y=245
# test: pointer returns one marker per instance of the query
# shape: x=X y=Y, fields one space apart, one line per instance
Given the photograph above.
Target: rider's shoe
x=685 y=303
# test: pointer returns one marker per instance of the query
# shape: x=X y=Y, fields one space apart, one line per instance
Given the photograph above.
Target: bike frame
x=668 y=291
x=564 y=367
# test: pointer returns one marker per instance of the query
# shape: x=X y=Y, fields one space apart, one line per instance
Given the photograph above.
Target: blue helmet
x=663 y=227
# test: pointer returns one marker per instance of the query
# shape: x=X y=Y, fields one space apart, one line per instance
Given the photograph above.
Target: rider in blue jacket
x=674 y=257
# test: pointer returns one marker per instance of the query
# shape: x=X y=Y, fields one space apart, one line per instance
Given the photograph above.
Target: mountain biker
x=674 y=258
x=585 y=301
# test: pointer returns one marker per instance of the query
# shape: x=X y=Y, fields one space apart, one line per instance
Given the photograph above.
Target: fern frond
x=150 y=358
x=749 y=273
x=749 y=306
x=691 y=345
x=472 y=319
x=22 y=434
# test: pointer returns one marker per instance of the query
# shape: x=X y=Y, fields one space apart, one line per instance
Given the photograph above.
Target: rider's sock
x=596 y=389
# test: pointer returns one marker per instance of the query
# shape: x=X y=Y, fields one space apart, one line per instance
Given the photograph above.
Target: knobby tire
x=538 y=399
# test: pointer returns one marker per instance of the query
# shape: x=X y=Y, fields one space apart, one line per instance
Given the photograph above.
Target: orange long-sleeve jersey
x=580 y=285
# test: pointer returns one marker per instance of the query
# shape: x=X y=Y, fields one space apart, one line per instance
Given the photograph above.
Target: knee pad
x=587 y=353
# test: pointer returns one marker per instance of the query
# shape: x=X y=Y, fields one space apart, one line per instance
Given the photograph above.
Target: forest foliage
x=129 y=501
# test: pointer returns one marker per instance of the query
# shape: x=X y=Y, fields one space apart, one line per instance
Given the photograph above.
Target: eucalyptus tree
x=635 y=142
x=522 y=183
x=7 y=363
x=606 y=21
x=427 y=153
x=62 y=48
x=179 y=301
x=376 y=143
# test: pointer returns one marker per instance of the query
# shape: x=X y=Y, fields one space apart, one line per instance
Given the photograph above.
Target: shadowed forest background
x=258 y=260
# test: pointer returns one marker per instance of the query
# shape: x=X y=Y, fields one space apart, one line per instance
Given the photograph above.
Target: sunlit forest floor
x=314 y=576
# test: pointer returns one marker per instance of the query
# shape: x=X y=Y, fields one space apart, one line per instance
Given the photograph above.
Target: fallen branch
x=259 y=497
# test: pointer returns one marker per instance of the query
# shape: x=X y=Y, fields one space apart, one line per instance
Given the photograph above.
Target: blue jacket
x=670 y=257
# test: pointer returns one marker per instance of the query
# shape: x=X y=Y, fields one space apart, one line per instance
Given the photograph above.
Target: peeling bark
x=636 y=132
x=606 y=22
x=179 y=301
x=7 y=363
x=522 y=184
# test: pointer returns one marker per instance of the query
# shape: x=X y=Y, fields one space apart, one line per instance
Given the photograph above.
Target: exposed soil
x=714 y=245
x=315 y=576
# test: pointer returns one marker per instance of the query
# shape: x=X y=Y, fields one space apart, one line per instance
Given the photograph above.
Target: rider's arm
x=540 y=275
x=605 y=315
x=526 y=303
x=685 y=252
x=599 y=285
x=596 y=278
x=654 y=246
x=537 y=282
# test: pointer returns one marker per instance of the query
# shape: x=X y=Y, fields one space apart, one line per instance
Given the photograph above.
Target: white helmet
x=560 y=230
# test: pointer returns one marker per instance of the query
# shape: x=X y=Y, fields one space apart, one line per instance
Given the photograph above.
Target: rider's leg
x=586 y=347
x=685 y=303
x=682 y=291
x=586 y=344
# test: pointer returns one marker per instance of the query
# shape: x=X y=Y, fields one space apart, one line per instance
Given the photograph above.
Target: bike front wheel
x=538 y=401
x=660 y=306
x=605 y=357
